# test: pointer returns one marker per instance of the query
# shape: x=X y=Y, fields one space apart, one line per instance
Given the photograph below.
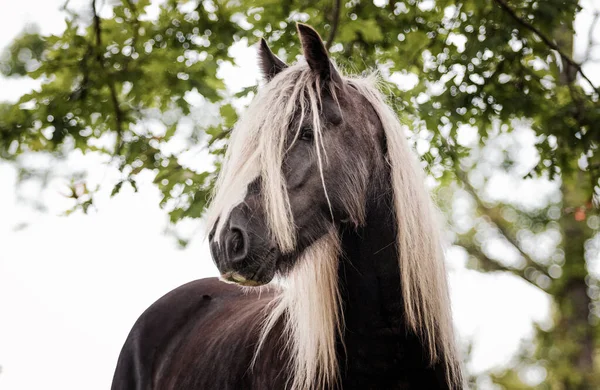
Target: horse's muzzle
x=241 y=253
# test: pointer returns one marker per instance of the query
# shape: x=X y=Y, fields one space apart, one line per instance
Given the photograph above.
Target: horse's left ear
x=270 y=64
x=316 y=54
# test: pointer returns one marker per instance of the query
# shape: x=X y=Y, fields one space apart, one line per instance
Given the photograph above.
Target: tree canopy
x=467 y=75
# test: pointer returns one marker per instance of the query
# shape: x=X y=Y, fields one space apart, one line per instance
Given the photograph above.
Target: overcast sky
x=71 y=287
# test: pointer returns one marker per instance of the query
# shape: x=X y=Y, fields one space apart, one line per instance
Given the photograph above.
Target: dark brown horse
x=321 y=202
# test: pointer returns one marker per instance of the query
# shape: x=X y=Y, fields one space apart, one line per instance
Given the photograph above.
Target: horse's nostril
x=236 y=245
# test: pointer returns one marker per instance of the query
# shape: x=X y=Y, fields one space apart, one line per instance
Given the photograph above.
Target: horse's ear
x=316 y=53
x=270 y=64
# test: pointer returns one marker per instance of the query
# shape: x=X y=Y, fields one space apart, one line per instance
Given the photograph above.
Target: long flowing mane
x=309 y=300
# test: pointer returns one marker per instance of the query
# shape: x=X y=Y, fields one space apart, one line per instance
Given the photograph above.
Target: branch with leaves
x=119 y=115
x=565 y=57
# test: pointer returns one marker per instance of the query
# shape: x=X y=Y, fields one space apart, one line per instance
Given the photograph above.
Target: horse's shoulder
x=165 y=320
x=185 y=302
x=200 y=289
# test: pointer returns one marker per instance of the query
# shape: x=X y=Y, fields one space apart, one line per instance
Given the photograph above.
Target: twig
x=334 y=24
x=221 y=135
x=546 y=40
x=588 y=52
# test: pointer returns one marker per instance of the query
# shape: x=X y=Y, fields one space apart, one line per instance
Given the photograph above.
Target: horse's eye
x=306 y=134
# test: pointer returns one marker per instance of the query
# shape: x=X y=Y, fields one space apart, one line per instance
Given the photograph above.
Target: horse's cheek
x=298 y=169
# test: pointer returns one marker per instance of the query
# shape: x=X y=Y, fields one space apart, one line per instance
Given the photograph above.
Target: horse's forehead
x=361 y=108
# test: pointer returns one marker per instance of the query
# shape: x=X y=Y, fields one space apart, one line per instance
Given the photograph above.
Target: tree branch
x=546 y=40
x=135 y=32
x=491 y=265
x=111 y=85
x=334 y=24
x=97 y=30
x=491 y=212
x=496 y=219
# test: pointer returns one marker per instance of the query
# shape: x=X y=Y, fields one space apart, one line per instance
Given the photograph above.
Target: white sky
x=72 y=287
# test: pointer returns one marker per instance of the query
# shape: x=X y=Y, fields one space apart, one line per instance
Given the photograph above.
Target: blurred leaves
x=475 y=64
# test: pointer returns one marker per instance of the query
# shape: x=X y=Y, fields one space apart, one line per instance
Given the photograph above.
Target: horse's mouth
x=259 y=277
x=237 y=278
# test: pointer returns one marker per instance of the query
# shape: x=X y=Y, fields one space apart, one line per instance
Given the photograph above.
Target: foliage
x=487 y=68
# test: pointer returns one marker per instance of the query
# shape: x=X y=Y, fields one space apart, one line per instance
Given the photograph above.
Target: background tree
x=481 y=85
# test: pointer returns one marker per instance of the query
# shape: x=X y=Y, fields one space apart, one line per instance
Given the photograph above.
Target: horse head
x=300 y=162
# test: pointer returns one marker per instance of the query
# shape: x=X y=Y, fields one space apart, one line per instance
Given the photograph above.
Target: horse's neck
x=369 y=272
x=376 y=340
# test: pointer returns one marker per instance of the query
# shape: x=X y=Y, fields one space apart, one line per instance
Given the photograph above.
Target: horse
x=328 y=246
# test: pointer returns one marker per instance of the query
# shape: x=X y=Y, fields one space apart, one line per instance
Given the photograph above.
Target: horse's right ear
x=316 y=54
x=270 y=64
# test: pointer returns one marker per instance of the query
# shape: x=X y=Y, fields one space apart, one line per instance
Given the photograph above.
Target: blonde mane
x=309 y=300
